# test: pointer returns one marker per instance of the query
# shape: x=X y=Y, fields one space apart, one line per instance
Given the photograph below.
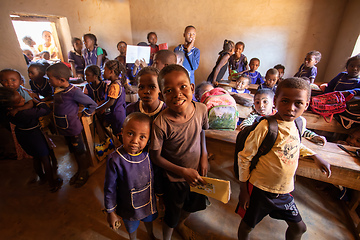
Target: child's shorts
x=177 y=197
x=131 y=226
x=278 y=206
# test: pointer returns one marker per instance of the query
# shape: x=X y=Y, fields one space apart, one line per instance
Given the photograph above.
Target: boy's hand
x=323 y=165
x=244 y=196
x=113 y=220
x=192 y=177
x=319 y=140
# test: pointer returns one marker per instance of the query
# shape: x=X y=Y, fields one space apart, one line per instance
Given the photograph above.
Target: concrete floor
x=30 y=211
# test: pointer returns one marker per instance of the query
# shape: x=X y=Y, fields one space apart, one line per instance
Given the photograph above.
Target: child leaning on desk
x=273 y=177
x=264 y=106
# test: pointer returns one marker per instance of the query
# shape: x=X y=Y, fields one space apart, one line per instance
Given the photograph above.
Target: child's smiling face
x=178 y=92
x=148 y=89
x=242 y=83
x=11 y=80
x=152 y=39
x=239 y=48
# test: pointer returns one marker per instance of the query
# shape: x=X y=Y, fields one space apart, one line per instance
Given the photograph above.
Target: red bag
x=329 y=104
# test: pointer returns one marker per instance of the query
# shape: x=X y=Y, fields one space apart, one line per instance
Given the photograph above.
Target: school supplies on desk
x=215 y=188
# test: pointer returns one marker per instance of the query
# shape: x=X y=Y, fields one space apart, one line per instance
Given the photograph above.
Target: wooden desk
x=315 y=121
x=345 y=168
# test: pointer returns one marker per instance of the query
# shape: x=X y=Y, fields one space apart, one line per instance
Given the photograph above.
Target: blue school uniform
x=234 y=90
x=309 y=72
x=28 y=132
x=66 y=108
x=90 y=57
x=129 y=185
x=256 y=77
x=191 y=60
x=343 y=82
x=263 y=86
x=97 y=93
x=116 y=114
x=45 y=90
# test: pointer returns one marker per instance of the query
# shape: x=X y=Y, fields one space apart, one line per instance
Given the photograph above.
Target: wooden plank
x=345 y=168
x=86 y=122
x=315 y=121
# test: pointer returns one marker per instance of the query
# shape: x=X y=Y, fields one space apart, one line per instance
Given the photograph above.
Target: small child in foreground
x=67 y=98
x=271 y=78
x=129 y=178
x=178 y=146
x=308 y=68
x=273 y=177
x=264 y=106
x=255 y=76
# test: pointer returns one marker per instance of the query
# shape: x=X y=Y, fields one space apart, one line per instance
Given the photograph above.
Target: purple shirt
x=256 y=77
x=306 y=72
x=78 y=60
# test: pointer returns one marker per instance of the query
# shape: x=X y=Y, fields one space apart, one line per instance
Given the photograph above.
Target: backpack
x=222 y=111
x=350 y=118
x=267 y=143
x=329 y=104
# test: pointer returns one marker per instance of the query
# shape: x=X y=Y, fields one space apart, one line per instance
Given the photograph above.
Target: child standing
x=129 y=178
x=238 y=61
x=121 y=46
x=347 y=81
x=271 y=78
x=149 y=91
x=192 y=54
x=255 y=76
x=38 y=82
x=93 y=54
x=308 y=68
x=242 y=84
x=12 y=79
x=29 y=135
x=76 y=59
x=178 y=146
x=221 y=63
x=95 y=88
x=47 y=45
x=66 y=107
x=114 y=106
x=273 y=177
x=152 y=39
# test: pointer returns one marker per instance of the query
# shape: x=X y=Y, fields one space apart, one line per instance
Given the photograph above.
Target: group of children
x=163 y=147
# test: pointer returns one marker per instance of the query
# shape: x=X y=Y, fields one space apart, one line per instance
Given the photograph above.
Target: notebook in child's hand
x=215 y=188
x=163 y=46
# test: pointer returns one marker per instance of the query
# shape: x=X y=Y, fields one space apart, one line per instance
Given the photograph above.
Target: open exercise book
x=215 y=188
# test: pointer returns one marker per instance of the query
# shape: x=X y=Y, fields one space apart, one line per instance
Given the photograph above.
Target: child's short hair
x=166 y=56
x=43 y=53
x=272 y=71
x=27 y=40
x=73 y=40
x=228 y=45
x=200 y=86
x=45 y=32
x=244 y=76
x=316 y=54
x=180 y=54
x=279 y=66
x=148 y=35
x=59 y=70
x=354 y=58
x=94 y=69
x=265 y=91
x=138 y=116
x=117 y=45
x=147 y=70
x=295 y=83
x=255 y=59
x=39 y=66
x=92 y=37
x=168 y=69
x=190 y=26
x=241 y=43
x=5 y=70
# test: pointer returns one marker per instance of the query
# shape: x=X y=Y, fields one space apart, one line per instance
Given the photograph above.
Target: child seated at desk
x=264 y=106
x=255 y=76
x=271 y=78
x=308 y=68
x=242 y=84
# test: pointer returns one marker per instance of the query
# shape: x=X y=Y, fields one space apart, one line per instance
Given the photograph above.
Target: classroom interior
x=275 y=31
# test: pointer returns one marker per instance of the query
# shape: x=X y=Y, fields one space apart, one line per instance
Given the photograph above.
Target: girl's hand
x=192 y=177
x=112 y=219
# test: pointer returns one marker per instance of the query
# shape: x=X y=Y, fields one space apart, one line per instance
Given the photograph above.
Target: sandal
x=74 y=178
x=81 y=180
x=57 y=185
